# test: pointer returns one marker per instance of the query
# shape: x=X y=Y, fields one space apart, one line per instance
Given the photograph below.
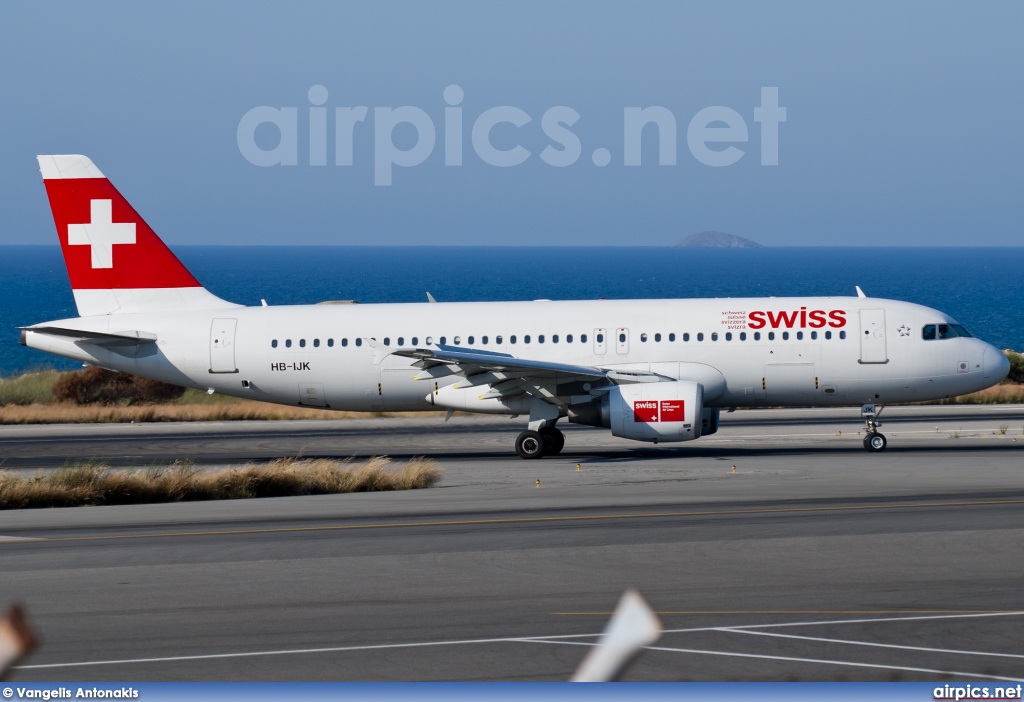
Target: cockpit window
x=946 y=332
x=929 y=332
x=960 y=331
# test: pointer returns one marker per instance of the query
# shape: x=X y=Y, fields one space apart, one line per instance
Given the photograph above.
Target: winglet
x=430 y=298
x=860 y=293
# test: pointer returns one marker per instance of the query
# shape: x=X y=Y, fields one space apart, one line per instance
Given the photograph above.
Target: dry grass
x=68 y=413
x=96 y=484
x=1007 y=394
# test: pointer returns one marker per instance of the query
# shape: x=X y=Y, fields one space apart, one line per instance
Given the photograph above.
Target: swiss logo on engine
x=651 y=411
x=645 y=411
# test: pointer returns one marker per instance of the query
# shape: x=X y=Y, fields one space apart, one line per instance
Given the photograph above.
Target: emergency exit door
x=872 y=336
x=222 y=346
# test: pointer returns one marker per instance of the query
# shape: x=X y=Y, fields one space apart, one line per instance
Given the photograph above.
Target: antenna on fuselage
x=860 y=293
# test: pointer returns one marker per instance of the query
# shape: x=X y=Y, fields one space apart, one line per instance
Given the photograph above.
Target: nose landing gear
x=874 y=440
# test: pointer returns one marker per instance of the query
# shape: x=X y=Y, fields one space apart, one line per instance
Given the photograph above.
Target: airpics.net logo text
x=714 y=135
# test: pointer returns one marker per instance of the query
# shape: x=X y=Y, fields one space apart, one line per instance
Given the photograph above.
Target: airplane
x=647 y=370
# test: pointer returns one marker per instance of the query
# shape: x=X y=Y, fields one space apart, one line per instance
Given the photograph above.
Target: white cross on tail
x=101 y=234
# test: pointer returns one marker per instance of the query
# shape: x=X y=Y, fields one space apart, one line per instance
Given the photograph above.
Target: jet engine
x=663 y=411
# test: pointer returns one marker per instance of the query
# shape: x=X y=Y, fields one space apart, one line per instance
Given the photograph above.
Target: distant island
x=716 y=240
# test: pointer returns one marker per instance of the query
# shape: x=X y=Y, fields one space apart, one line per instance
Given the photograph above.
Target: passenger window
x=316 y=343
x=287 y=343
x=583 y=338
x=686 y=336
x=643 y=338
x=757 y=336
x=728 y=336
x=600 y=338
x=814 y=335
x=302 y=343
x=330 y=343
x=568 y=338
x=415 y=341
x=842 y=335
x=458 y=340
x=771 y=336
x=401 y=341
x=700 y=336
x=714 y=336
x=526 y=338
x=344 y=342
x=512 y=339
x=828 y=335
x=497 y=340
x=743 y=336
x=554 y=338
x=657 y=337
x=799 y=335
x=387 y=341
x=273 y=344
x=484 y=341
x=785 y=336
x=359 y=342
x=469 y=341
x=672 y=337
x=443 y=340
x=540 y=339
x=622 y=338
x=430 y=340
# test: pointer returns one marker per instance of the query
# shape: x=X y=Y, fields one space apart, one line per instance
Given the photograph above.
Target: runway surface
x=812 y=560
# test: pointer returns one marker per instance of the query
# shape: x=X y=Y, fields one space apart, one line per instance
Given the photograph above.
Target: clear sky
x=902 y=120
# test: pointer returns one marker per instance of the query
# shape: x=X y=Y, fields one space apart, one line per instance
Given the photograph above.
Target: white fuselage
x=339 y=355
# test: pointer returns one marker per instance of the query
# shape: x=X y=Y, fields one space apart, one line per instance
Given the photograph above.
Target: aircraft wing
x=475 y=361
x=508 y=376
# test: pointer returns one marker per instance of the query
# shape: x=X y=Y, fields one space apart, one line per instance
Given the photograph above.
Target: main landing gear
x=547 y=441
x=874 y=440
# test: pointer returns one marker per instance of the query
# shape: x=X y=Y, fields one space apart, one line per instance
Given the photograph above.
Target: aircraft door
x=872 y=336
x=600 y=342
x=621 y=341
x=222 y=346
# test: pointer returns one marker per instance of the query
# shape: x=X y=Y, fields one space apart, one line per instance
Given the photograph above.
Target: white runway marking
x=792 y=659
x=15 y=539
x=565 y=638
x=869 y=643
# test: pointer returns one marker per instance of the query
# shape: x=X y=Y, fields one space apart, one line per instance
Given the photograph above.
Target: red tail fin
x=115 y=261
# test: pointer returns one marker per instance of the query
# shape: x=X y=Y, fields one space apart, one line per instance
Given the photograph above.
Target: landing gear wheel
x=530 y=444
x=875 y=442
x=554 y=441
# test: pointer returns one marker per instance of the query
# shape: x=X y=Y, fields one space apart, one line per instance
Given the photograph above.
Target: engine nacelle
x=709 y=421
x=665 y=411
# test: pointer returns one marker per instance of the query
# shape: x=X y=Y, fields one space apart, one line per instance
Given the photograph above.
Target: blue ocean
x=981 y=287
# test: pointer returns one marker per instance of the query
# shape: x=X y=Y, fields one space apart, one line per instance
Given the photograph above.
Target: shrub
x=98 y=386
x=28 y=389
x=1016 y=367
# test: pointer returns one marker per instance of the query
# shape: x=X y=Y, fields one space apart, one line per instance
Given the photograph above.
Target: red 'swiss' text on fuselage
x=801 y=318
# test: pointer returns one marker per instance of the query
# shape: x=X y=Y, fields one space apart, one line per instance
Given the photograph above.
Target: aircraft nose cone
x=996 y=364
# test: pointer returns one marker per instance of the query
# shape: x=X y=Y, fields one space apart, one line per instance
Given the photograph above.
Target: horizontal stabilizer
x=124 y=338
